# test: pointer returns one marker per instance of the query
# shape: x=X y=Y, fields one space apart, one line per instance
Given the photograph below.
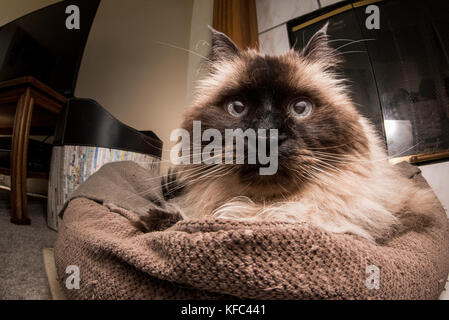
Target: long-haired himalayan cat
x=333 y=172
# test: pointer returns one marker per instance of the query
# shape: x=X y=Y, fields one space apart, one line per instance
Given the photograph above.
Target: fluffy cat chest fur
x=365 y=204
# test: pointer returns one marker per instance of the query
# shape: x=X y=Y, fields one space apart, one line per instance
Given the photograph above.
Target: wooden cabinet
x=27 y=106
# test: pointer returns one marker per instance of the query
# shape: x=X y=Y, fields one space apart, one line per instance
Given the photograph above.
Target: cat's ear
x=222 y=47
x=318 y=49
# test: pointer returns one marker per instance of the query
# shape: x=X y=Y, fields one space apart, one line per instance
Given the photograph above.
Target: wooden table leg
x=19 y=155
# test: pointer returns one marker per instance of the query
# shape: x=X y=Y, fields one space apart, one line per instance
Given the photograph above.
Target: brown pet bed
x=224 y=259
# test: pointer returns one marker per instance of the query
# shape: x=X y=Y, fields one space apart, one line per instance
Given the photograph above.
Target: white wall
x=136 y=62
x=272 y=17
x=437 y=175
x=200 y=37
x=325 y=3
x=271 y=20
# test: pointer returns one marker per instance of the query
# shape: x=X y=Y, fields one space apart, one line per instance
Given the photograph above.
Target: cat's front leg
x=158 y=218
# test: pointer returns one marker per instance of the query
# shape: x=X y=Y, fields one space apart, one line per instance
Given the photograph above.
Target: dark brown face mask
x=281 y=93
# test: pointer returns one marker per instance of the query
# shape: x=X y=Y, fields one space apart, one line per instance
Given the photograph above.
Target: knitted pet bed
x=226 y=259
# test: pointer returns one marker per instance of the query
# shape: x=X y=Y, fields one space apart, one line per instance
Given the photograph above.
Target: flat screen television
x=40 y=45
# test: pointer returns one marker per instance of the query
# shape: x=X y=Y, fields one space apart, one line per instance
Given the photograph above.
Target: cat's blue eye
x=236 y=109
x=301 y=108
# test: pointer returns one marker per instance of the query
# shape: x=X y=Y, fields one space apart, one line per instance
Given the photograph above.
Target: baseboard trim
x=56 y=290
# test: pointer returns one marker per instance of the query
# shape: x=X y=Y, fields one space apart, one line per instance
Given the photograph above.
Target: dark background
x=399 y=74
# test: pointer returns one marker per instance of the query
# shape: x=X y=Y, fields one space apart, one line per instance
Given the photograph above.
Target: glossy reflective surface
x=399 y=74
x=40 y=45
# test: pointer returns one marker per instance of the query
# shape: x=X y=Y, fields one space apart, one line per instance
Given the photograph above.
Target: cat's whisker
x=352 y=51
x=331 y=147
x=195 y=172
x=183 y=49
x=336 y=158
x=336 y=40
x=329 y=166
x=202 y=175
x=177 y=172
x=220 y=172
x=188 y=179
x=200 y=171
x=353 y=42
x=319 y=170
x=332 y=169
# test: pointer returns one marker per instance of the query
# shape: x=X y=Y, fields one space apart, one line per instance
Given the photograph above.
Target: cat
x=333 y=170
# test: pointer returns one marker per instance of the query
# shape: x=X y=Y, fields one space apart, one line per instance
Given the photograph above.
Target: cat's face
x=295 y=93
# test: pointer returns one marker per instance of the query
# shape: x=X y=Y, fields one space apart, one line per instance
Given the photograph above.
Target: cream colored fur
x=362 y=200
x=362 y=197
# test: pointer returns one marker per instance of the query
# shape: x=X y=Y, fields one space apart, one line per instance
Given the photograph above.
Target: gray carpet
x=22 y=272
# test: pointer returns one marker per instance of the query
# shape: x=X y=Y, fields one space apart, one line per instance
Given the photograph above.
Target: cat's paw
x=407 y=221
x=171 y=185
x=158 y=219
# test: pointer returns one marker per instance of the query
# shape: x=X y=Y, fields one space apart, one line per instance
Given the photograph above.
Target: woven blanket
x=216 y=259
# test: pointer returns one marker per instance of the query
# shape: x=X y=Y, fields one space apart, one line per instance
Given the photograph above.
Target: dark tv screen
x=398 y=74
x=40 y=45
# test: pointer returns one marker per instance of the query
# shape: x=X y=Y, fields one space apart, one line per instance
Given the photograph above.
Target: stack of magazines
x=72 y=165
